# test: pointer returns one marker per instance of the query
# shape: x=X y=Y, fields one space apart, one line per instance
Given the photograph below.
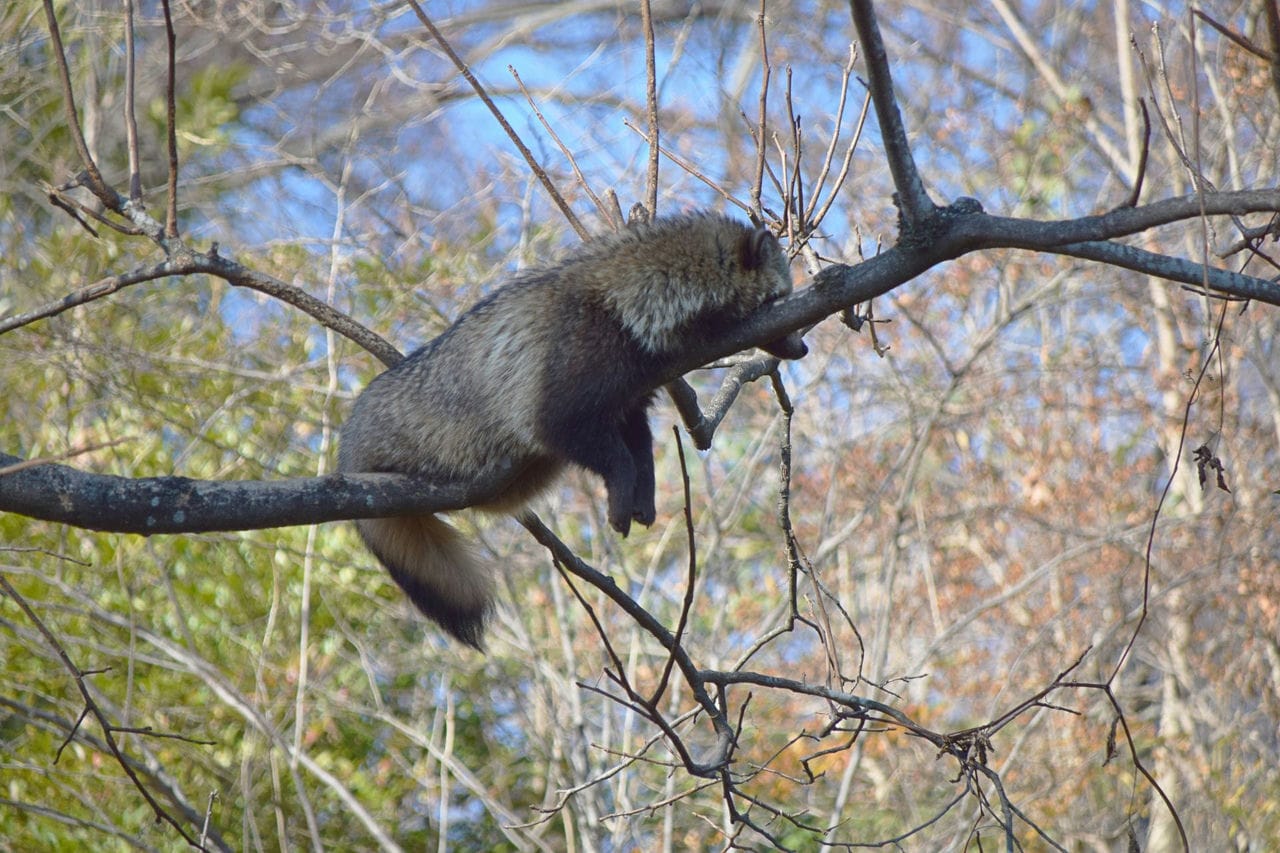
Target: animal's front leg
x=600 y=448
x=639 y=441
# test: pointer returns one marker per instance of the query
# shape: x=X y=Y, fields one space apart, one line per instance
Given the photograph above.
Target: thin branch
x=794 y=224
x=605 y=212
x=465 y=71
x=762 y=114
x=1134 y=754
x=912 y=199
x=1251 y=238
x=130 y=114
x=89 y=293
x=651 y=107
x=257 y=721
x=691 y=579
x=829 y=157
x=1256 y=49
x=784 y=516
x=43 y=719
x=171 y=123
x=72 y=209
x=1143 y=153
x=852 y=701
x=73 y=452
x=693 y=170
x=572 y=563
x=91 y=707
x=97 y=185
x=235 y=274
x=59 y=198
x=816 y=219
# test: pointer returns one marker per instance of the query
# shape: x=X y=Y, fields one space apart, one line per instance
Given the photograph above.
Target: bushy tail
x=436 y=568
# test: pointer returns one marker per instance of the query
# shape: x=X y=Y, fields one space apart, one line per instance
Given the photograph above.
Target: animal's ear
x=757 y=246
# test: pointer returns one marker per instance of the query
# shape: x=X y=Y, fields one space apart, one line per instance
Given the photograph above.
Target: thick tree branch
x=1226 y=282
x=150 y=505
x=986 y=231
x=175 y=504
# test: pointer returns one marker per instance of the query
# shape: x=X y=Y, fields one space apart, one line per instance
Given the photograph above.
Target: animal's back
x=453 y=406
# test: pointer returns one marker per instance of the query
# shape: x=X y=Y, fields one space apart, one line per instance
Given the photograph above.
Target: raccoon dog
x=556 y=367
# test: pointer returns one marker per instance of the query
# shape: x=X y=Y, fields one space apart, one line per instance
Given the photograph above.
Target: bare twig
x=1142 y=156
x=605 y=212
x=828 y=158
x=793 y=222
x=79 y=211
x=91 y=707
x=762 y=116
x=691 y=578
x=1256 y=49
x=1134 y=754
x=816 y=219
x=171 y=122
x=73 y=452
x=130 y=116
x=1251 y=237
x=532 y=161
x=96 y=184
x=191 y=263
x=693 y=170
x=605 y=584
x=651 y=107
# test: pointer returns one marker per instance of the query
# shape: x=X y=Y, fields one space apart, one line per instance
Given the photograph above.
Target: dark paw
x=645 y=515
x=792 y=346
x=620 y=523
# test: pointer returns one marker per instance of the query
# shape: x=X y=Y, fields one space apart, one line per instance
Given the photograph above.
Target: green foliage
x=1040 y=153
x=206 y=110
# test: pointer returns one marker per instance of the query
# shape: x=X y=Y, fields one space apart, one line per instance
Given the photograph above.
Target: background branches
x=977 y=539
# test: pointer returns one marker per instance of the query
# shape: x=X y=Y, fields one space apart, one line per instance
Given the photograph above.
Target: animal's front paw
x=791 y=346
x=620 y=521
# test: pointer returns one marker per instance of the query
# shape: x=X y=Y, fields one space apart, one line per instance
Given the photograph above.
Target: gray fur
x=556 y=367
